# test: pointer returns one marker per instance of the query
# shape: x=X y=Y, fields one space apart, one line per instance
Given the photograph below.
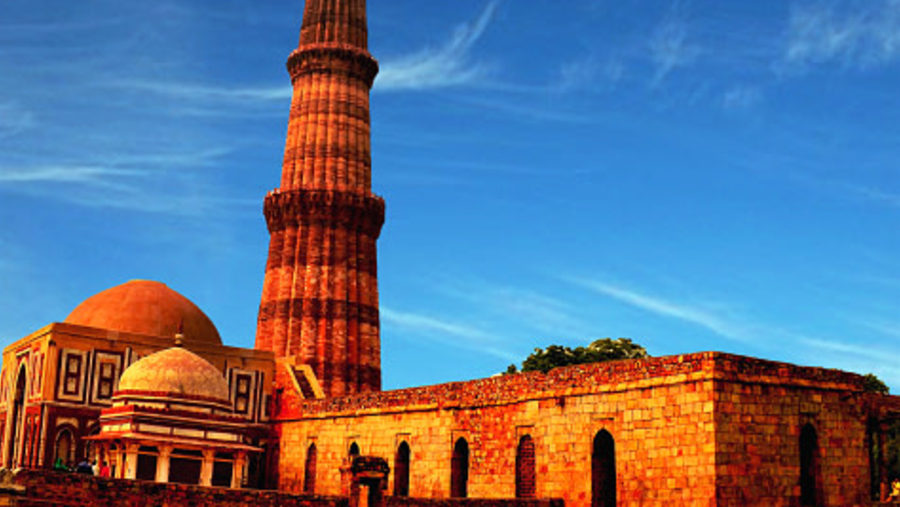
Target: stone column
x=130 y=465
x=206 y=468
x=162 y=463
x=119 y=454
x=320 y=294
x=237 y=471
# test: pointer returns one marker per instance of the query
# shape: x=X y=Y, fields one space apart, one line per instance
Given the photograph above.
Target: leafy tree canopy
x=874 y=384
x=604 y=349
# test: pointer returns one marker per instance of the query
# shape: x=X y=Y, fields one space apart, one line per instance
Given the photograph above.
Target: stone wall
x=759 y=417
x=658 y=411
x=688 y=430
x=396 y=501
x=42 y=487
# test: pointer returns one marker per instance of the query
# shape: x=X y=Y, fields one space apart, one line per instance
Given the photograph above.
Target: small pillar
x=237 y=471
x=162 y=463
x=206 y=468
x=130 y=465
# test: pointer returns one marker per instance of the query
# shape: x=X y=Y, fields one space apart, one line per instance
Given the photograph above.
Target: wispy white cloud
x=860 y=350
x=858 y=34
x=93 y=176
x=535 y=310
x=869 y=193
x=671 y=48
x=741 y=97
x=447 y=333
x=152 y=183
x=193 y=92
x=14 y=119
x=722 y=325
x=891 y=329
x=445 y=66
x=589 y=73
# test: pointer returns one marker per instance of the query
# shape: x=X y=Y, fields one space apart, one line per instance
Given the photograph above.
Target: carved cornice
x=329 y=208
x=333 y=58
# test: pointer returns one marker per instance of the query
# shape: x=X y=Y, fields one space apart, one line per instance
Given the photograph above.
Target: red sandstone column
x=320 y=295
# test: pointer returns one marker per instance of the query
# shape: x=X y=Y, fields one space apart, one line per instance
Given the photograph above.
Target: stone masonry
x=320 y=295
x=700 y=429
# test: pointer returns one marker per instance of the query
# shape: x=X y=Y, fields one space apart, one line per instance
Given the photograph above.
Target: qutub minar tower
x=320 y=295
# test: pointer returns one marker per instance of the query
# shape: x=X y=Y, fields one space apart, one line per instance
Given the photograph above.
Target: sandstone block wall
x=659 y=412
x=700 y=429
x=760 y=411
x=395 y=501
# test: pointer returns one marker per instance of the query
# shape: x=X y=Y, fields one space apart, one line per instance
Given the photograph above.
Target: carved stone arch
x=64 y=444
x=810 y=472
x=525 y=468
x=309 y=469
x=17 y=418
x=459 y=469
x=401 y=470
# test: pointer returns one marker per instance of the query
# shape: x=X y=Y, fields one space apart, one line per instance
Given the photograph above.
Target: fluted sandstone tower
x=320 y=296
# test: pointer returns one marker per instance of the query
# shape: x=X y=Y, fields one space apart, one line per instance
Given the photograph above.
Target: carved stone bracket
x=331 y=58
x=330 y=208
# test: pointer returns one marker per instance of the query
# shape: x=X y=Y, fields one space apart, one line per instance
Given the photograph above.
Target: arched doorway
x=603 y=471
x=810 y=494
x=525 y=474
x=64 y=448
x=18 y=414
x=459 y=469
x=309 y=470
x=401 y=470
x=354 y=451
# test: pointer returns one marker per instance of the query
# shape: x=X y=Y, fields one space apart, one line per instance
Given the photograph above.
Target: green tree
x=874 y=384
x=604 y=349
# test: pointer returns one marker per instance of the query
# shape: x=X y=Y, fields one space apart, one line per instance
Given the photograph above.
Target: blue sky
x=694 y=175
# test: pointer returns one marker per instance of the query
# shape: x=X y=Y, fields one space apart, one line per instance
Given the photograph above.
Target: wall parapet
x=400 y=501
x=578 y=380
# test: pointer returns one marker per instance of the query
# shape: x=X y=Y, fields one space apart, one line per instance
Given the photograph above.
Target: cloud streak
x=146 y=183
x=533 y=309
x=445 y=66
x=14 y=120
x=195 y=93
x=670 y=48
x=446 y=333
x=702 y=317
x=864 y=35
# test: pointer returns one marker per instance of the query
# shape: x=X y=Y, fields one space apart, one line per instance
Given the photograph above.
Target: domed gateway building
x=303 y=410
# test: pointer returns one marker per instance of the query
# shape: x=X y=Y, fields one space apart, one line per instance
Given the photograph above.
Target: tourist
x=104 y=470
x=84 y=467
x=95 y=468
x=59 y=466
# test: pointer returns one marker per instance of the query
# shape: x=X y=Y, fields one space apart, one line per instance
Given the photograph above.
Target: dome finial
x=179 y=335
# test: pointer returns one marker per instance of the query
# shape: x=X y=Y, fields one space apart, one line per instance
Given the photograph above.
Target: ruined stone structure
x=303 y=412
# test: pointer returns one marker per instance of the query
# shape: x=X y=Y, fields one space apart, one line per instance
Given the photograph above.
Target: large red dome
x=145 y=307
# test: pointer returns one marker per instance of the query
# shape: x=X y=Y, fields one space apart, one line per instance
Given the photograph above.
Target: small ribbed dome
x=174 y=374
x=145 y=307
